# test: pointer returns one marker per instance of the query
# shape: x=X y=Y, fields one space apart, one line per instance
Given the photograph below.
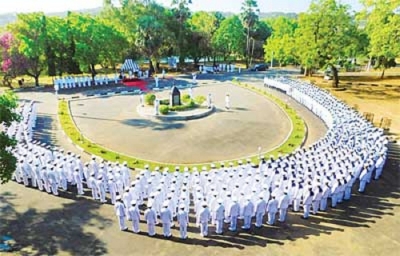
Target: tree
x=229 y=39
x=383 y=29
x=95 y=42
x=203 y=27
x=151 y=31
x=249 y=17
x=88 y=41
x=281 y=44
x=30 y=33
x=259 y=35
x=180 y=9
x=325 y=32
x=13 y=63
x=8 y=162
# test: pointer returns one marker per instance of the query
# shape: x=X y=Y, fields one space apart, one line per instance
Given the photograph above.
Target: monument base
x=197 y=113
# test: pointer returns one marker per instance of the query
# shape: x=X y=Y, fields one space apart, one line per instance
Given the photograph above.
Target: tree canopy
x=8 y=103
x=326 y=35
x=383 y=29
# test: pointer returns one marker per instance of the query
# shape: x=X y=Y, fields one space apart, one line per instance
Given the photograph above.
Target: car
x=259 y=67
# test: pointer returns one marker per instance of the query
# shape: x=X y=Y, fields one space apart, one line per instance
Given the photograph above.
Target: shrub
x=164 y=102
x=200 y=99
x=164 y=109
x=190 y=105
x=149 y=99
x=186 y=98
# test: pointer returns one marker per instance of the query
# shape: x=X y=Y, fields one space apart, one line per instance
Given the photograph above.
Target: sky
x=12 y=6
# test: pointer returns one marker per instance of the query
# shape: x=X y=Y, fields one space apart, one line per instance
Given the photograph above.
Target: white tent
x=130 y=65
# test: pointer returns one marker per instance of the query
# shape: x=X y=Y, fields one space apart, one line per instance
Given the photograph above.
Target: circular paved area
x=253 y=121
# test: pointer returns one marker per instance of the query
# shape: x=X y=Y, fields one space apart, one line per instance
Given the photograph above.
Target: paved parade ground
x=252 y=121
x=76 y=225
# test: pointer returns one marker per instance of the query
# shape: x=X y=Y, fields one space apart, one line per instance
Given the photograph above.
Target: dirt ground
x=369 y=94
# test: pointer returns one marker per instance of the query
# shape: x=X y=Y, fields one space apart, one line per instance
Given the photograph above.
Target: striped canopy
x=130 y=65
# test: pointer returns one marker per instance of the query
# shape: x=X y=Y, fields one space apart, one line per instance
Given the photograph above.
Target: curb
x=177 y=118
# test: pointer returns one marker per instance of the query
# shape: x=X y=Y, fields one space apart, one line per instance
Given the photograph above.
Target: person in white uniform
x=166 y=216
x=120 y=212
x=134 y=216
x=183 y=221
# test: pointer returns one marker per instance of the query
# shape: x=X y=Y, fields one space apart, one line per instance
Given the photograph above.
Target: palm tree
x=249 y=17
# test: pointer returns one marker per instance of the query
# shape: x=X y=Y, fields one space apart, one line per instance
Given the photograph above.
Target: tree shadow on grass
x=61 y=229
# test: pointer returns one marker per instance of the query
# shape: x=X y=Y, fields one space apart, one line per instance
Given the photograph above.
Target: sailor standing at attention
x=120 y=212
x=183 y=221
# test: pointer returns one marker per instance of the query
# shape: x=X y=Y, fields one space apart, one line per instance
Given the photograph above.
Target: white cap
x=165 y=204
x=133 y=202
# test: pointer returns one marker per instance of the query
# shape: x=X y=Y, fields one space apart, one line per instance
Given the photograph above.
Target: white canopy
x=130 y=65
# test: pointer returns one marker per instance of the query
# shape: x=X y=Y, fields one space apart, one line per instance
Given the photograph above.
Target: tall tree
x=249 y=17
x=181 y=11
x=281 y=44
x=383 y=29
x=202 y=26
x=30 y=32
x=88 y=41
x=259 y=35
x=324 y=35
x=8 y=103
x=151 y=31
x=229 y=39
x=95 y=42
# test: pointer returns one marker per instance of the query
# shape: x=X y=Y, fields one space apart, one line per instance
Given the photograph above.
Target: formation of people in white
x=70 y=82
x=218 y=68
x=352 y=150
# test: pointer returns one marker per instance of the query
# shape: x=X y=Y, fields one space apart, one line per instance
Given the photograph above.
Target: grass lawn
x=293 y=142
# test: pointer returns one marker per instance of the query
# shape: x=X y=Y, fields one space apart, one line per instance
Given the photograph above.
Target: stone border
x=178 y=117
